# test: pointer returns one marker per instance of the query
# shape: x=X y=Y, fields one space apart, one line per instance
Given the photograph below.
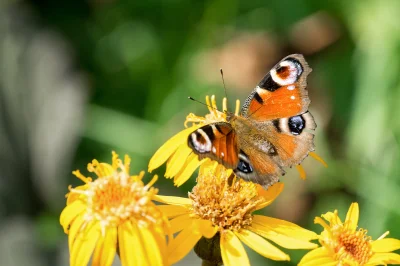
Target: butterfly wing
x=216 y=141
x=257 y=167
x=281 y=93
x=293 y=138
x=220 y=142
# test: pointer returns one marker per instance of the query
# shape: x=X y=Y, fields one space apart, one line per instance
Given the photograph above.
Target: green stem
x=208 y=249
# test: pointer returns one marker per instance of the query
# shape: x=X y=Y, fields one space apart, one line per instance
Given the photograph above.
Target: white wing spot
x=202 y=148
x=291 y=87
x=214 y=150
x=222 y=154
x=292 y=97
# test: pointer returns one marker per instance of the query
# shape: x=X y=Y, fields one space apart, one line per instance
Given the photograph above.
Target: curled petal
x=206 y=228
x=269 y=195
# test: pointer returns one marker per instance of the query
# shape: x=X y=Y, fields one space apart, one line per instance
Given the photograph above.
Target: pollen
x=352 y=246
x=224 y=200
x=115 y=197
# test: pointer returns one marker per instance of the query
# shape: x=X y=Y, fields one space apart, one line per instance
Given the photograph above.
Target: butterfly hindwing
x=257 y=167
x=216 y=141
x=281 y=93
x=293 y=139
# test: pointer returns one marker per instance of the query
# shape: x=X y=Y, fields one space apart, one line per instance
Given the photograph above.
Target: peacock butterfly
x=274 y=129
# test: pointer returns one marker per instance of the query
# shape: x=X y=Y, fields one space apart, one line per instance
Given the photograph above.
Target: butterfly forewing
x=281 y=93
x=216 y=141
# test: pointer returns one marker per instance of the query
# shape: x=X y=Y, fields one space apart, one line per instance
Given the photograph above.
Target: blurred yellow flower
x=181 y=161
x=220 y=204
x=342 y=244
x=114 y=212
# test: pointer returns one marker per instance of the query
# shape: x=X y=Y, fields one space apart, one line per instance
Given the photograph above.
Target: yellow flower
x=181 y=161
x=342 y=244
x=219 y=205
x=114 y=212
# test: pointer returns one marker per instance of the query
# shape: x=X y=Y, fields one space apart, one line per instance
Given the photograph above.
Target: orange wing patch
x=284 y=102
x=216 y=141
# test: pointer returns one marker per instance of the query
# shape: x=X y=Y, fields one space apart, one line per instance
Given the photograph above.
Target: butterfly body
x=274 y=129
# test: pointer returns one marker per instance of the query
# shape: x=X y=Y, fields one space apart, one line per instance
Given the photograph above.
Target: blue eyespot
x=244 y=167
x=296 y=124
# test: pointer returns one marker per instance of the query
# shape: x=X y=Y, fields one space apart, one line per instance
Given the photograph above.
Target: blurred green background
x=81 y=78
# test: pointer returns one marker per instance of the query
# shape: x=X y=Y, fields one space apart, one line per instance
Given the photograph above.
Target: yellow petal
x=151 y=247
x=385 y=245
x=351 y=221
x=177 y=160
x=320 y=221
x=282 y=240
x=173 y=200
x=283 y=227
x=384 y=258
x=106 y=248
x=232 y=250
x=159 y=236
x=172 y=210
x=185 y=173
x=84 y=245
x=205 y=227
x=74 y=196
x=169 y=147
x=269 y=195
x=332 y=218
x=69 y=214
x=128 y=241
x=314 y=255
x=180 y=246
x=261 y=246
x=104 y=169
x=179 y=223
x=301 y=171
x=74 y=230
x=319 y=159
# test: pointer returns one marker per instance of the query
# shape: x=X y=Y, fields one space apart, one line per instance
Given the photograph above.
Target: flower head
x=342 y=244
x=114 y=211
x=223 y=206
x=181 y=160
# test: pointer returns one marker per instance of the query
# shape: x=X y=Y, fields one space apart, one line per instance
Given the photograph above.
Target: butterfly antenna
x=223 y=82
x=197 y=101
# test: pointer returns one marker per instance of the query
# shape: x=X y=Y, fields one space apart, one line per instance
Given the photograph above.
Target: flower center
x=226 y=202
x=113 y=199
x=355 y=246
